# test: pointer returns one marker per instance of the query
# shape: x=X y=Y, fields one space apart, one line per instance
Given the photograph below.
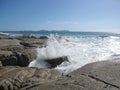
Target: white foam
x=80 y=51
x=4 y=33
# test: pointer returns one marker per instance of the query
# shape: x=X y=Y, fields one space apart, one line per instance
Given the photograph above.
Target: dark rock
x=25 y=57
x=1 y=64
x=56 y=61
x=27 y=44
x=22 y=58
x=7 y=58
x=30 y=54
x=43 y=37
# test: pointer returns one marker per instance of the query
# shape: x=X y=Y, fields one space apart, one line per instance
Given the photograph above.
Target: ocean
x=81 y=48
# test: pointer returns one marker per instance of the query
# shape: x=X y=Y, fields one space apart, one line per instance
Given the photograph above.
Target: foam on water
x=80 y=51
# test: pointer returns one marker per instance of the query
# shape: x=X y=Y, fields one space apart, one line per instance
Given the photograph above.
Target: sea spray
x=80 y=51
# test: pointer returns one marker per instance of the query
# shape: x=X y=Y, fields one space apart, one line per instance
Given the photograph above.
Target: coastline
x=16 y=52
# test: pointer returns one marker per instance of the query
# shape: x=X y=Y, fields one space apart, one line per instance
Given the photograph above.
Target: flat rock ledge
x=103 y=75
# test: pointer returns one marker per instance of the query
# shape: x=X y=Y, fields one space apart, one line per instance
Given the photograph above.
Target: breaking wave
x=80 y=51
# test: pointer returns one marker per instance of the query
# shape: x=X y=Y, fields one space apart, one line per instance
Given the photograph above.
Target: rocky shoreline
x=16 y=52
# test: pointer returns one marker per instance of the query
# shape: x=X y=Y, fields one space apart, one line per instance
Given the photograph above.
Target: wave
x=80 y=51
x=4 y=33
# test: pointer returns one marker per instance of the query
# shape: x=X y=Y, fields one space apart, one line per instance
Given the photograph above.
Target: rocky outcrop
x=56 y=61
x=19 y=50
x=32 y=41
x=8 y=58
x=103 y=75
x=14 y=78
x=17 y=58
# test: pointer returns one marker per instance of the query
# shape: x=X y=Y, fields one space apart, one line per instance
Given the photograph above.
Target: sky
x=73 y=15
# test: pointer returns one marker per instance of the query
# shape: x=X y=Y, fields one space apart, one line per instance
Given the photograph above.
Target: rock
x=31 y=54
x=10 y=45
x=10 y=42
x=21 y=37
x=30 y=41
x=1 y=64
x=22 y=58
x=56 y=61
x=7 y=58
x=47 y=74
x=13 y=78
x=37 y=43
x=25 y=57
x=13 y=48
x=103 y=75
x=43 y=37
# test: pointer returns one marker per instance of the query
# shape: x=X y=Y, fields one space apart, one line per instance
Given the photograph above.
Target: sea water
x=81 y=48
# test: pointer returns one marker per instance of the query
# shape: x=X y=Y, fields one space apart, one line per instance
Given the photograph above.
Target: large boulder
x=56 y=61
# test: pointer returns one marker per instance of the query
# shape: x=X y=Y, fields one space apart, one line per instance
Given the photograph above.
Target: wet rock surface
x=56 y=61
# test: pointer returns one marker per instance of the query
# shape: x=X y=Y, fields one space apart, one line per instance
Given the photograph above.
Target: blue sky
x=75 y=15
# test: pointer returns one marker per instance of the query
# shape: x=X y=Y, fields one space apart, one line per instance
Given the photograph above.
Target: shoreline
x=16 y=52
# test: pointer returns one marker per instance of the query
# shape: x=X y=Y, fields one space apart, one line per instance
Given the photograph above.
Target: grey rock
x=10 y=42
x=10 y=45
x=103 y=75
x=12 y=78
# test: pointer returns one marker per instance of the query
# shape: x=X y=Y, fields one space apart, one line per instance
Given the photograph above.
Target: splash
x=80 y=51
